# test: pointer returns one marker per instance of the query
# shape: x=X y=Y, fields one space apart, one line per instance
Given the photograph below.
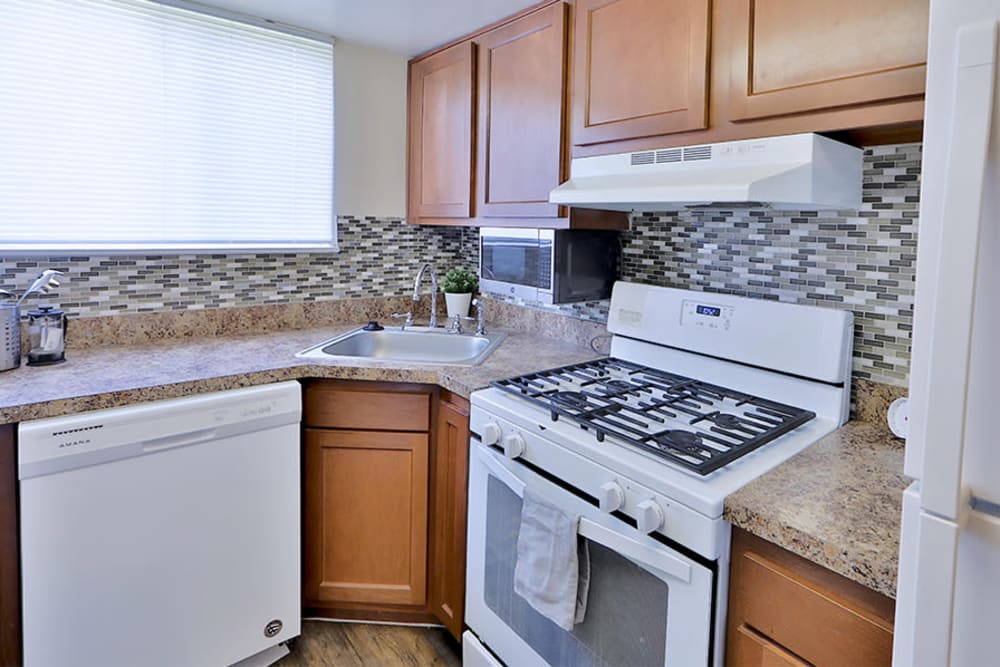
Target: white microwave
x=548 y=265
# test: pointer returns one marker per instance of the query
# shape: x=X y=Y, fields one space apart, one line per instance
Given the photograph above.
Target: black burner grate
x=697 y=425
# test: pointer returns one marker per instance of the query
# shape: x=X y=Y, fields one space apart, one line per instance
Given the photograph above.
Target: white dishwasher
x=165 y=533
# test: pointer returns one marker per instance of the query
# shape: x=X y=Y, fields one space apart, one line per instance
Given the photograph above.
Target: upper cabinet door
x=522 y=84
x=640 y=68
x=790 y=56
x=440 y=134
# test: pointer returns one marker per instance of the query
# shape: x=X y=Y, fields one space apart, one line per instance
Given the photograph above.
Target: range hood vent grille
x=669 y=155
x=645 y=157
x=698 y=153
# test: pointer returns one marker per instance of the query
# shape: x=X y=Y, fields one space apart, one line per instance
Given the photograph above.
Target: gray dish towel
x=553 y=565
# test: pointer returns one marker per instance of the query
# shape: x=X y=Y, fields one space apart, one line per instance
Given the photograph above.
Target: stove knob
x=611 y=497
x=513 y=445
x=649 y=516
x=491 y=433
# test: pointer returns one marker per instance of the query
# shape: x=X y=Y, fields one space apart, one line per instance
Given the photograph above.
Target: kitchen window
x=130 y=125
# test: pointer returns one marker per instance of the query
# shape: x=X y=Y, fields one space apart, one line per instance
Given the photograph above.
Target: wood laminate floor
x=347 y=644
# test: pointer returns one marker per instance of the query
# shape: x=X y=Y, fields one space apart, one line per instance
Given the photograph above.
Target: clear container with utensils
x=47 y=336
x=10 y=336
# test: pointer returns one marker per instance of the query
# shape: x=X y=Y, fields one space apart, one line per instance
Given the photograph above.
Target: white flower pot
x=458 y=304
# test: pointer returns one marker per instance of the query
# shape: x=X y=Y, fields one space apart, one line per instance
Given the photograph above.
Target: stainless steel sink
x=416 y=345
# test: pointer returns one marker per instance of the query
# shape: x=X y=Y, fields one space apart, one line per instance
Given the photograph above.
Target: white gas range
x=701 y=394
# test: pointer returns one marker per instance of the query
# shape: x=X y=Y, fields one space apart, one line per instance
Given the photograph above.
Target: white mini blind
x=133 y=125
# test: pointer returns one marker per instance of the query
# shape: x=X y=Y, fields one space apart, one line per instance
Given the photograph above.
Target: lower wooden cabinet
x=450 y=481
x=10 y=574
x=385 y=477
x=366 y=509
x=785 y=610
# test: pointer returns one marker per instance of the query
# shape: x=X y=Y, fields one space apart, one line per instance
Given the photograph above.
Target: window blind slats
x=132 y=124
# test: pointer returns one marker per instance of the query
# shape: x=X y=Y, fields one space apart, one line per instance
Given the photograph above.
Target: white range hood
x=793 y=172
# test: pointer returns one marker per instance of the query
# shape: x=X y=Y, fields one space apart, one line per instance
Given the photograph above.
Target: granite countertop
x=104 y=377
x=837 y=504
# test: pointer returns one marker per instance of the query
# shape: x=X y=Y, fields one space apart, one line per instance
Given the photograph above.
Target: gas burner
x=618 y=385
x=571 y=399
x=691 y=423
x=726 y=420
x=686 y=441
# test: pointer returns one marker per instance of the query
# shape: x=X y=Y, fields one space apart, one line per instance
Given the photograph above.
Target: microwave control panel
x=705 y=315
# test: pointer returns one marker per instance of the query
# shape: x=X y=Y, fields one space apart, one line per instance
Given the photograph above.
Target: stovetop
x=693 y=424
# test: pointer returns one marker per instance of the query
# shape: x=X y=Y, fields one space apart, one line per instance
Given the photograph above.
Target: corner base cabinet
x=786 y=611
x=385 y=477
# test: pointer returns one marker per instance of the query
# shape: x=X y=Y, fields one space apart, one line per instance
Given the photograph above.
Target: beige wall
x=370 y=120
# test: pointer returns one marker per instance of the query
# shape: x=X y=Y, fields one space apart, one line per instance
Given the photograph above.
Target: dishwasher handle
x=179 y=440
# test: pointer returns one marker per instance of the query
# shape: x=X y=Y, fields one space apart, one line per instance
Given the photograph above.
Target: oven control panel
x=706 y=315
x=611 y=492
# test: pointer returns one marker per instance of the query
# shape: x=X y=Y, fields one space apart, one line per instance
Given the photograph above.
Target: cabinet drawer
x=802 y=614
x=750 y=648
x=334 y=405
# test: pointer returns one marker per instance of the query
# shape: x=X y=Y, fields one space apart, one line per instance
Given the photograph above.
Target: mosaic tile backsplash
x=378 y=257
x=863 y=260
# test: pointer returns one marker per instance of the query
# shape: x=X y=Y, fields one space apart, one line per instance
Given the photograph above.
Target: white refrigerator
x=948 y=599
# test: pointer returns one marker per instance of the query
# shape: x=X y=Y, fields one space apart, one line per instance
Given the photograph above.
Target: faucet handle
x=408 y=316
x=455 y=323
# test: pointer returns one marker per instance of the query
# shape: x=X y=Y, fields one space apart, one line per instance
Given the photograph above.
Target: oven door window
x=626 y=618
x=648 y=604
x=512 y=256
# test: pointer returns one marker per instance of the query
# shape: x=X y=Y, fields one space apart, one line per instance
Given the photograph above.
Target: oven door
x=648 y=604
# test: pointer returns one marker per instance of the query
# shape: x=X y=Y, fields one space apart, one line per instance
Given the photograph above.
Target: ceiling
x=407 y=27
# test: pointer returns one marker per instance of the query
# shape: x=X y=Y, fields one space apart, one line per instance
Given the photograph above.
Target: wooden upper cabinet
x=522 y=106
x=640 y=68
x=440 y=134
x=789 y=56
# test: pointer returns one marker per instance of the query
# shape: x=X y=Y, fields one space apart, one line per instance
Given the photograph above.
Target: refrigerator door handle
x=986 y=507
x=944 y=433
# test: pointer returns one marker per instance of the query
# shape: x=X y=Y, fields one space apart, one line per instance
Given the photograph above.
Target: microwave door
x=509 y=261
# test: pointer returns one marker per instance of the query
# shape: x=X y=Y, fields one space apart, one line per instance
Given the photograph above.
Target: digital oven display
x=711 y=311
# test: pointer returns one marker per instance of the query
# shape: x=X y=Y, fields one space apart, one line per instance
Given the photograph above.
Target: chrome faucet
x=434 y=288
x=480 y=317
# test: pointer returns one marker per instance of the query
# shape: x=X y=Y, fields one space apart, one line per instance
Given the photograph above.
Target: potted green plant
x=458 y=286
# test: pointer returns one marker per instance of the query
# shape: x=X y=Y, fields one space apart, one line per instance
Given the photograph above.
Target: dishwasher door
x=162 y=534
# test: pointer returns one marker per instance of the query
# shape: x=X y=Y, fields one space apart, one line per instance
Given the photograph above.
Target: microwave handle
x=622 y=544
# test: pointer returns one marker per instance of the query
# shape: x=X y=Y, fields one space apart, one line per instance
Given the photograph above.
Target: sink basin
x=415 y=345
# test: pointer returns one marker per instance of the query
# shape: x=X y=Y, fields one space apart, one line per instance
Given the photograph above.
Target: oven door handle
x=657 y=559
x=626 y=546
